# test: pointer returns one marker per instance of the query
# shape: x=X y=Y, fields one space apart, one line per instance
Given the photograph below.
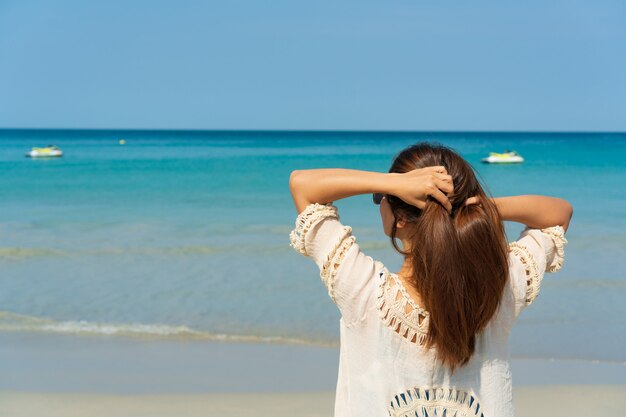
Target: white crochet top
x=383 y=367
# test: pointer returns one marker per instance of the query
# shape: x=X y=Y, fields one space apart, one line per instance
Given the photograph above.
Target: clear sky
x=315 y=64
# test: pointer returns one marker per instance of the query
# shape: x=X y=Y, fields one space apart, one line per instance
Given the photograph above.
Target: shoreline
x=41 y=362
x=69 y=376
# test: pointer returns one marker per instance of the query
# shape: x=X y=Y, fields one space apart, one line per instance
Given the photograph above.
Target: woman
x=432 y=337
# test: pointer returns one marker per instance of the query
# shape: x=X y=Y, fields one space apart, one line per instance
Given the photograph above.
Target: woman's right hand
x=414 y=187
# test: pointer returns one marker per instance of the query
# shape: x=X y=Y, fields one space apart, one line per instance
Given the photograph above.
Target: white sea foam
x=13 y=322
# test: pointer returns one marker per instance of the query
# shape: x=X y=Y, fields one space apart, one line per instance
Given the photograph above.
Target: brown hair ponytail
x=459 y=260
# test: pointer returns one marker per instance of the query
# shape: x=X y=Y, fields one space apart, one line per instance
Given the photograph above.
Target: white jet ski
x=45 y=152
x=508 y=157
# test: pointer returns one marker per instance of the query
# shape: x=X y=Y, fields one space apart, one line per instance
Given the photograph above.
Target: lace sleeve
x=311 y=215
x=536 y=251
x=344 y=269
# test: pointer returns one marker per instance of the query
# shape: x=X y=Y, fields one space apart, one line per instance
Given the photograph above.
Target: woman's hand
x=415 y=186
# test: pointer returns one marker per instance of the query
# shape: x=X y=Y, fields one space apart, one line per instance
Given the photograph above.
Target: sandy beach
x=548 y=400
x=65 y=375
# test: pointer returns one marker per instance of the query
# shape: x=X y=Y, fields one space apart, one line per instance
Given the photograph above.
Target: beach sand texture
x=554 y=401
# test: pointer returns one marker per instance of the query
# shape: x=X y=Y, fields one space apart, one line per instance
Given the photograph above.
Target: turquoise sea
x=185 y=234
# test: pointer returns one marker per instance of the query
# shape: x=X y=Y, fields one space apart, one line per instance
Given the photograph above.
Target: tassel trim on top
x=430 y=402
x=331 y=266
x=533 y=277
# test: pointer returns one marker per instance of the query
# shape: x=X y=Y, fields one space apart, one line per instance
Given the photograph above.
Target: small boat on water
x=508 y=157
x=45 y=152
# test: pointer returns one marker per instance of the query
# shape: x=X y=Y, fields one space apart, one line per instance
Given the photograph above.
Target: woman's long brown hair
x=459 y=260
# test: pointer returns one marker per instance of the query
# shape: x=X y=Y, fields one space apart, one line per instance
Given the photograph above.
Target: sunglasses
x=378 y=197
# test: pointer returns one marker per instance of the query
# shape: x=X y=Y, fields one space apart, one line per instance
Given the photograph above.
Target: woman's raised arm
x=535 y=211
x=325 y=185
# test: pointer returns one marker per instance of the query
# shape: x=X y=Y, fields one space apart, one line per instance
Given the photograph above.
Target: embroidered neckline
x=405 y=293
x=411 y=325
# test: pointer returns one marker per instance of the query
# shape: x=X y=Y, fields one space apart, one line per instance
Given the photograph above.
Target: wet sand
x=64 y=375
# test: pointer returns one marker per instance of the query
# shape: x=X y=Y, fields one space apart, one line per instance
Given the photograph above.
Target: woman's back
x=384 y=365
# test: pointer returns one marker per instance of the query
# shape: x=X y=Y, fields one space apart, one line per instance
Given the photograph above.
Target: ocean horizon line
x=313 y=131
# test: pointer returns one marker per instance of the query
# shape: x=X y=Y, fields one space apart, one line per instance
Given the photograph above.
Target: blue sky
x=356 y=65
